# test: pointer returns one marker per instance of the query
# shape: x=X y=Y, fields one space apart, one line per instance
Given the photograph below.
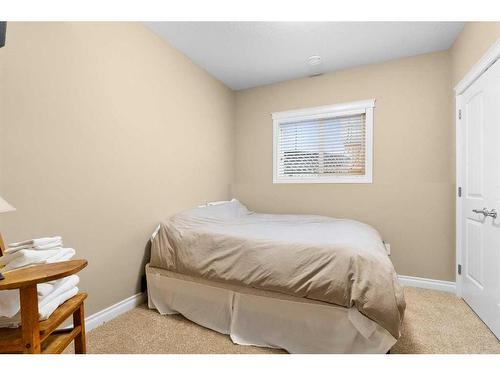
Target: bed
x=303 y=283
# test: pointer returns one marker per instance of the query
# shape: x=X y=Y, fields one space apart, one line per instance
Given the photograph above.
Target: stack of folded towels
x=51 y=294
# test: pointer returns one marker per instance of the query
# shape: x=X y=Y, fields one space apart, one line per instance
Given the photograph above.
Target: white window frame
x=336 y=110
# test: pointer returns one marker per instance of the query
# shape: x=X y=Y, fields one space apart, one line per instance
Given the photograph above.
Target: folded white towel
x=50 y=245
x=44 y=312
x=9 y=299
x=63 y=255
x=11 y=250
x=9 y=303
x=43 y=289
x=60 y=287
x=36 y=241
x=23 y=258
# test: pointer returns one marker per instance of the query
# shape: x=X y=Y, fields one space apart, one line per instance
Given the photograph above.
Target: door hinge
x=459 y=114
x=459 y=191
x=459 y=270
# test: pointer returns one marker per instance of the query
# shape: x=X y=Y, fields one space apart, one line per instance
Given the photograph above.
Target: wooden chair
x=42 y=337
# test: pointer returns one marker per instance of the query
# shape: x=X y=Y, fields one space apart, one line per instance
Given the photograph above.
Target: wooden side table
x=42 y=337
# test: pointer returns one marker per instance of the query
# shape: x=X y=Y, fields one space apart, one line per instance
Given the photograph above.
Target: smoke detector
x=314 y=63
x=314 y=60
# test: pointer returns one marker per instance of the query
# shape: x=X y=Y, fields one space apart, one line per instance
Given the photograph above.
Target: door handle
x=486 y=212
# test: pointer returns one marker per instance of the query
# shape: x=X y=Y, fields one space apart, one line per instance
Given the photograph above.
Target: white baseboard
x=420 y=282
x=101 y=317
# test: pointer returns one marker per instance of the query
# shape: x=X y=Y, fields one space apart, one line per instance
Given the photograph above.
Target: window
x=331 y=144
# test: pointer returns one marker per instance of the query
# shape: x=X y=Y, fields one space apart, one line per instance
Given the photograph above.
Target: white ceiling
x=249 y=54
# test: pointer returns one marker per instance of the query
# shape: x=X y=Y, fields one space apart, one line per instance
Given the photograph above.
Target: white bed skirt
x=268 y=319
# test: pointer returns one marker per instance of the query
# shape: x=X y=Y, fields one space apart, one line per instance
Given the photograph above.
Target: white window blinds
x=329 y=146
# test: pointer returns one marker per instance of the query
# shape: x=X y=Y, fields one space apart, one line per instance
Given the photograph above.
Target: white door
x=480 y=183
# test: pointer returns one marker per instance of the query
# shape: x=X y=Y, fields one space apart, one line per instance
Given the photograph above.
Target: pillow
x=215 y=203
x=219 y=202
x=218 y=210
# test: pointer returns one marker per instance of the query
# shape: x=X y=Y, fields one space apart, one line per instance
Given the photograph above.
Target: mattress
x=336 y=261
x=263 y=318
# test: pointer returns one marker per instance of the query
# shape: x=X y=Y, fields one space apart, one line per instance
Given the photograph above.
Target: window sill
x=325 y=180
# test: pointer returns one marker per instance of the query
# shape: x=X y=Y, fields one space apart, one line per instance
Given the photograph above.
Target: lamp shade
x=4 y=206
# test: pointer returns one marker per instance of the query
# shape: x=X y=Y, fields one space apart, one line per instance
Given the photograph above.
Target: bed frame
x=267 y=319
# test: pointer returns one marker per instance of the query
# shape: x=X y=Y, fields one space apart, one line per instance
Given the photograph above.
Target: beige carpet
x=435 y=322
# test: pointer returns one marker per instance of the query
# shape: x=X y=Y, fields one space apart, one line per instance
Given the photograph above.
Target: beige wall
x=470 y=46
x=411 y=200
x=105 y=130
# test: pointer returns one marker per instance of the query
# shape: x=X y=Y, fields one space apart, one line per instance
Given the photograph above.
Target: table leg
x=79 y=320
x=29 y=319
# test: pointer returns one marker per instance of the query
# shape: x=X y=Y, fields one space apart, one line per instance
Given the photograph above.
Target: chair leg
x=79 y=321
x=29 y=320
